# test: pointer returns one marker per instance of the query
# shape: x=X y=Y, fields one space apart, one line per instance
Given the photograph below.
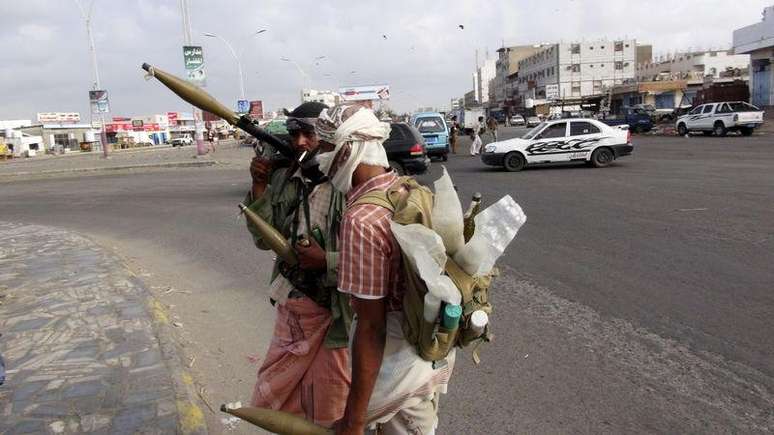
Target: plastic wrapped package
x=496 y=226
x=424 y=250
x=447 y=214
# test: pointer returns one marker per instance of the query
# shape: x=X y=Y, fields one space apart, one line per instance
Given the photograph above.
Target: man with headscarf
x=392 y=387
x=306 y=368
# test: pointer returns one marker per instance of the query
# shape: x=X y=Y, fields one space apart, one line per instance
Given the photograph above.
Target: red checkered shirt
x=369 y=255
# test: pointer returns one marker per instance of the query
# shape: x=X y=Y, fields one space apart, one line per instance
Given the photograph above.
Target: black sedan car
x=406 y=149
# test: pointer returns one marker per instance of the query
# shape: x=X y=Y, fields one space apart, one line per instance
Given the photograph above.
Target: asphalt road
x=636 y=298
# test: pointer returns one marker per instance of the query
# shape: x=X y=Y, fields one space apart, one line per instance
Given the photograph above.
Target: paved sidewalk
x=82 y=343
x=144 y=158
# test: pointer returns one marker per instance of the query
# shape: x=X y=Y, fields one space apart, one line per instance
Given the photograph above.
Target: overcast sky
x=425 y=58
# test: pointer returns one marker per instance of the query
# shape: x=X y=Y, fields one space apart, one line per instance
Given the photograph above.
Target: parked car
x=532 y=121
x=518 y=120
x=561 y=140
x=180 y=141
x=639 y=120
x=406 y=149
x=720 y=118
x=434 y=130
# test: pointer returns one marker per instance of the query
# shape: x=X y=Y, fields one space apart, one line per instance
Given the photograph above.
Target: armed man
x=306 y=369
x=393 y=390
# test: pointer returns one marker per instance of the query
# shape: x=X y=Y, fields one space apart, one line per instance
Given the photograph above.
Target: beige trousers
x=420 y=419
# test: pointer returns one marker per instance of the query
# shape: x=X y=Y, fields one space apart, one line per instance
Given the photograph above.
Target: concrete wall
x=756 y=36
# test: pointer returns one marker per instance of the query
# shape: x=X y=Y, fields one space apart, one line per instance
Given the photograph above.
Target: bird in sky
x=384 y=36
x=461 y=27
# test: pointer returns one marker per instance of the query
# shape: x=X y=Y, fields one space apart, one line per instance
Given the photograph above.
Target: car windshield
x=531 y=134
x=430 y=125
x=743 y=107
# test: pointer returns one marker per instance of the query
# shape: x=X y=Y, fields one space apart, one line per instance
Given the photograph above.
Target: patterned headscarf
x=357 y=135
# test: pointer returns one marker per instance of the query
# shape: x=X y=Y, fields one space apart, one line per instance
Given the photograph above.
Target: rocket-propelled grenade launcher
x=201 y=99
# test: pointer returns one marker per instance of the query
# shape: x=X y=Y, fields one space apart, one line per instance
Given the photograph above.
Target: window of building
x=619 y=65
x=627 y=45
x=591 y=47
x=576 y=88
x=575 y=49
x=713 y=53
x=602 y=65
x=602 y=47
x=580 y=128
x=619 y=46
x=576 y=67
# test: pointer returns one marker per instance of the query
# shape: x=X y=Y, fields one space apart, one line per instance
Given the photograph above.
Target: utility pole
x=185 y=12
x=86 y=15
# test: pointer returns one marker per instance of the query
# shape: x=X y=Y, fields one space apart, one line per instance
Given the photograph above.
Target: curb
x=194 y=164
x=190 y=416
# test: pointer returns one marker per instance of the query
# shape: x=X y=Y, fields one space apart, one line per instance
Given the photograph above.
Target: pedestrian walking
x=475 y=136
x=454 y=130
x=306 y=368
x=491 y=124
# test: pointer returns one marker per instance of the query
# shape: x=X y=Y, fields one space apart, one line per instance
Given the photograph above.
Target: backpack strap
x=375 y=197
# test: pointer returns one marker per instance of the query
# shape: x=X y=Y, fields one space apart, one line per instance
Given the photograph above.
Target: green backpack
x=412 y=203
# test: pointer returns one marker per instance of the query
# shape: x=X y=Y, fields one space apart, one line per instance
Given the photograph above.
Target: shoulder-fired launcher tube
x=271 y=237
x=201 y=99
x=279 y=422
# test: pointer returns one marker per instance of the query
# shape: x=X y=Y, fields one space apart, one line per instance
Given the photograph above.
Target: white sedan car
x=561 y=140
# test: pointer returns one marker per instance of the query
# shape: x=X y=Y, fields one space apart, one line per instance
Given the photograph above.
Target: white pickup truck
x=720 y=118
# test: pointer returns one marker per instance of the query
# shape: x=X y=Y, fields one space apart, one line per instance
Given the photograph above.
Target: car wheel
x=719 y=129
x=397 y=167
x=514 y=162
x=602 y=157
x=444 y=157
x=636 y=129
x=682 y=130
x=746 y=131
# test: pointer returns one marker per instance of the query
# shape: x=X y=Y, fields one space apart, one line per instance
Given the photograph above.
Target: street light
x=237 y=57
x=304 y=75
x=86 y=15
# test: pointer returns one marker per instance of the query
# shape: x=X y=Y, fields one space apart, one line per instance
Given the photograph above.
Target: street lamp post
x=304 y=75
x=86 y=15
x=237 y=57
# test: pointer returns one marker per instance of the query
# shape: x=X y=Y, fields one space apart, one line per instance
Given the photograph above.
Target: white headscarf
x=357 y=137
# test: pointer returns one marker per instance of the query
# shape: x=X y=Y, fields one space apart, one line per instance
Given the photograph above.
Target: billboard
x=364 y=93
x=59 y=117
x=193 y=58
x=172 y=118
x=243 y=106
x=256 y=109
x=99 y=101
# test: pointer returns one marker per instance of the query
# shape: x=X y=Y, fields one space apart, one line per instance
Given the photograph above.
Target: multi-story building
x=507 y=67
x=695 y=65
x=482 y=78
x=574 y=71
x=757 y=40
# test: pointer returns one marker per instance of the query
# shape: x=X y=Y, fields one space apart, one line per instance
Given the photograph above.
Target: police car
x=561 y=140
